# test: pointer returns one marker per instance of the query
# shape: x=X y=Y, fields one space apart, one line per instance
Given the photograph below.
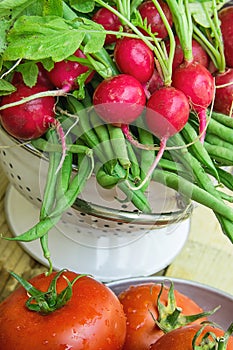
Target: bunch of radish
x=143 y=73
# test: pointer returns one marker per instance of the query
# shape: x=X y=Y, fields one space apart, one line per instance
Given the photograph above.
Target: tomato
x=140 y=303
x=181 y=339
x=92 y=319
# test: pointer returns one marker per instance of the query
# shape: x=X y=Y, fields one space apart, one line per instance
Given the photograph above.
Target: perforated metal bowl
x=98 y=221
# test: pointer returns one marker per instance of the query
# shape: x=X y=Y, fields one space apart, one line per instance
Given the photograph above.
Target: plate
x=205 y=296
x=106 y=264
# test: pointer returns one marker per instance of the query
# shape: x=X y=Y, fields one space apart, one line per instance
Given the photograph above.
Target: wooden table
x=207 y=256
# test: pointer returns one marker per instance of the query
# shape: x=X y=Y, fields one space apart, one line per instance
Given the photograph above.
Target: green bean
x=64 y=175
x=49 y=196
x=221 y=154
x=226 y=196
x=217 y=141
x=136 y=197
x=37 y=231
x=198 y=194
x=104 y=179
x=47 y=222
x=135 y=169
x=49 y=191
x=46 y=146
x=102 y=133
x=224 y=132
x=223 y=119
x=147 y=157
x=172 y=166
x=189 y=134
x=119 y=145
x=226 y=178
x=204 y=182
x=86 y=131
x=75 y=187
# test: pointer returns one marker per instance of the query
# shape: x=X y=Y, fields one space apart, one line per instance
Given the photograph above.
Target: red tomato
x=140 y=303
x=92 y=319
x=181 y=338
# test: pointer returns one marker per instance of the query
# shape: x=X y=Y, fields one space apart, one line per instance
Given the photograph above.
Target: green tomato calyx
x=49 y=301
x=170 y=316
x=209 y=340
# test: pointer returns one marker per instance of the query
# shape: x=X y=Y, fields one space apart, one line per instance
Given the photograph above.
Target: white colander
x=100 y=234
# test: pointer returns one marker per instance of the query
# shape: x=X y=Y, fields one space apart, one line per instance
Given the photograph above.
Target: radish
x=134 y=57
x=197 y=84
x=65 y=73
x=226 y=17
x=217 y=51
x=223 y=102
x=119 y=99
x=149 y=12
x=109 y=21
x=31 y=119
x=167 y=113
x=191 y=77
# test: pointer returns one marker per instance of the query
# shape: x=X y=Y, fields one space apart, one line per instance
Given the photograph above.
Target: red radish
x=167 y=113
x=119 y=99
x=223 y=102
x=133 y=57
x=199 y=54
x=109 y=21
x=226 y=17
x=65 y=73
x=197 y=84
x=31 y=119
x=149 y=12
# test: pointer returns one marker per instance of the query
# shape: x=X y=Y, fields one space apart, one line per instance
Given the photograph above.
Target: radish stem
x=183 y=24
x=153 y=166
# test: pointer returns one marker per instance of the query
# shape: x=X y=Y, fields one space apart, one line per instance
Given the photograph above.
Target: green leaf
x=198 y=13
x=11 y=4
x=37 y=38
x=29 y=72
x=4 y=26
x=15 y=8
x=83 y=6
x=53 y=8
x=6 y=88
x=95 y=34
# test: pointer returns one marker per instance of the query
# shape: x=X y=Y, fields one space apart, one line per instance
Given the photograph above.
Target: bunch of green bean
x=188 y=166
x=94 y=147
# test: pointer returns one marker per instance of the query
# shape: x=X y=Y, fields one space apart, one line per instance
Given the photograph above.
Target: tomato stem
x=49 y=301
x=209 y=340
x=170 y=316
